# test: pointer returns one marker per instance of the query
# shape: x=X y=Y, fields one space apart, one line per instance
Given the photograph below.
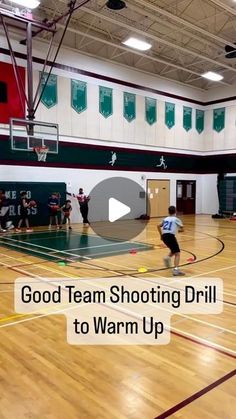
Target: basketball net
x=41 y=153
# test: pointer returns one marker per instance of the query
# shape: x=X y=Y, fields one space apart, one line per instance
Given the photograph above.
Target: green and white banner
x=78 y=95
x=105 y=101
x=129 y=110
x=218 y=119
x=199 y=122
x=150 y=110
x=187 y=118
x=169 y=114
x=49 y=96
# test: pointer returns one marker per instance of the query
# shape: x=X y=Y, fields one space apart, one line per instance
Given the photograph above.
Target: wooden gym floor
x=41 y=376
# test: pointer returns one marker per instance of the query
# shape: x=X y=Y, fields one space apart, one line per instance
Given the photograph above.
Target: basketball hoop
x=41 y=153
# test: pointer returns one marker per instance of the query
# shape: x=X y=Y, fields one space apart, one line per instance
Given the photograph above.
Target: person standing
x=167 y=230
x=24 y=217
x=54 y=208
x=66 y=211
x=83 y=204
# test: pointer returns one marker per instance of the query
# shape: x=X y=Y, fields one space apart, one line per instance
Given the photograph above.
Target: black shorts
x=23 y=213
x=171 y=242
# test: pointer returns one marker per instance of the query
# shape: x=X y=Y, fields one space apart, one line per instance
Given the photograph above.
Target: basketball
x=55 y=208
x=33 y=203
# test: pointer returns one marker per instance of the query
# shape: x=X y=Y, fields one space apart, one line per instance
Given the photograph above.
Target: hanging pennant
x=218 y=119
x=199 y=123
x=129 y=110
x=49 y=96
x=105 y=101
x=78 y=95
x=150 y=110
x=187 y=118
x=169 y=114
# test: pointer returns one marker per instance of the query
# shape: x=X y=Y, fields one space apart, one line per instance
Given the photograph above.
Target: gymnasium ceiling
x=188 y=37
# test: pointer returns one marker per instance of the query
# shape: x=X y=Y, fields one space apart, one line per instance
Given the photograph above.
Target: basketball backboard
x=27 y=135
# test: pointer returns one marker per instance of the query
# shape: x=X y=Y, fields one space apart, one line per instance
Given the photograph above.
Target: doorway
x=159 y=197
x=186 y=196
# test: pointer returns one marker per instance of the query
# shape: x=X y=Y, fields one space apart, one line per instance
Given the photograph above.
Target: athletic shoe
x=177 y=272
x=2 y=230
x=70 y=228
x=18 y=230
x=167 y=261
x=9 y=225
x=29 y=230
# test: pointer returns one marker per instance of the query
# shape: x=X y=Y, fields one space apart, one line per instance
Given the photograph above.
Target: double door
x=186 y=196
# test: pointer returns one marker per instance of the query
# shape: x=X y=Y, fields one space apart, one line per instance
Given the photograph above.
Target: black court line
x=196 y=396
x=135 y=273
x=164 y=269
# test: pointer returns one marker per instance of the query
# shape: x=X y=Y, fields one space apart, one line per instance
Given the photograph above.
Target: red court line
x=207 y=345
x=195 y=396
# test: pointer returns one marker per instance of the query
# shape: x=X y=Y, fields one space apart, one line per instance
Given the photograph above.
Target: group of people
x=55 y=211
x=167 y=228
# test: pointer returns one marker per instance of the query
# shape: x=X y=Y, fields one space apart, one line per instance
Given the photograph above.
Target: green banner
x=187 y=118
x=49 y=96
x=78 y=95
x=169 y=114
x=199 y=123
x=105 y=101
x=150 y=110
x=218 y=119
x=129 y=106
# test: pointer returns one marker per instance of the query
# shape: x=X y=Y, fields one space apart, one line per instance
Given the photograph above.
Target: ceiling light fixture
x=29 y=4
x=137 y=44
x=210 y=75
x=115 y=4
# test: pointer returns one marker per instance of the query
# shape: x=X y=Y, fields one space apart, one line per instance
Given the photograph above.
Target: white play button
x=117 y=210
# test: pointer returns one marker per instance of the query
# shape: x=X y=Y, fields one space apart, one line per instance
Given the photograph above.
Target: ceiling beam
x=170 y=26
x=224 y=6
x=126 y=49
x=185 y=22
x=156 y=38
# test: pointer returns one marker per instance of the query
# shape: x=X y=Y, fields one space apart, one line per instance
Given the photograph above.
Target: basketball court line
x=150 y=272
x=106 y=253
x=32 y=275
x=183 y=334
x=216 y=270
x=42 y=247
x=195 y=396
x=30 y=250
x=68 y=253
x=49 y=269
x=191 y=337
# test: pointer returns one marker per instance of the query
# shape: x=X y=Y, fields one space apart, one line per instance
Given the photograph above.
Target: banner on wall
x=150 y=110
x=49 y=96
x=199 y=123
x=78 y=95
x=129 y=106
x=187 y=118
x=218 y=119
x=169 y=114
x=105 y=101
